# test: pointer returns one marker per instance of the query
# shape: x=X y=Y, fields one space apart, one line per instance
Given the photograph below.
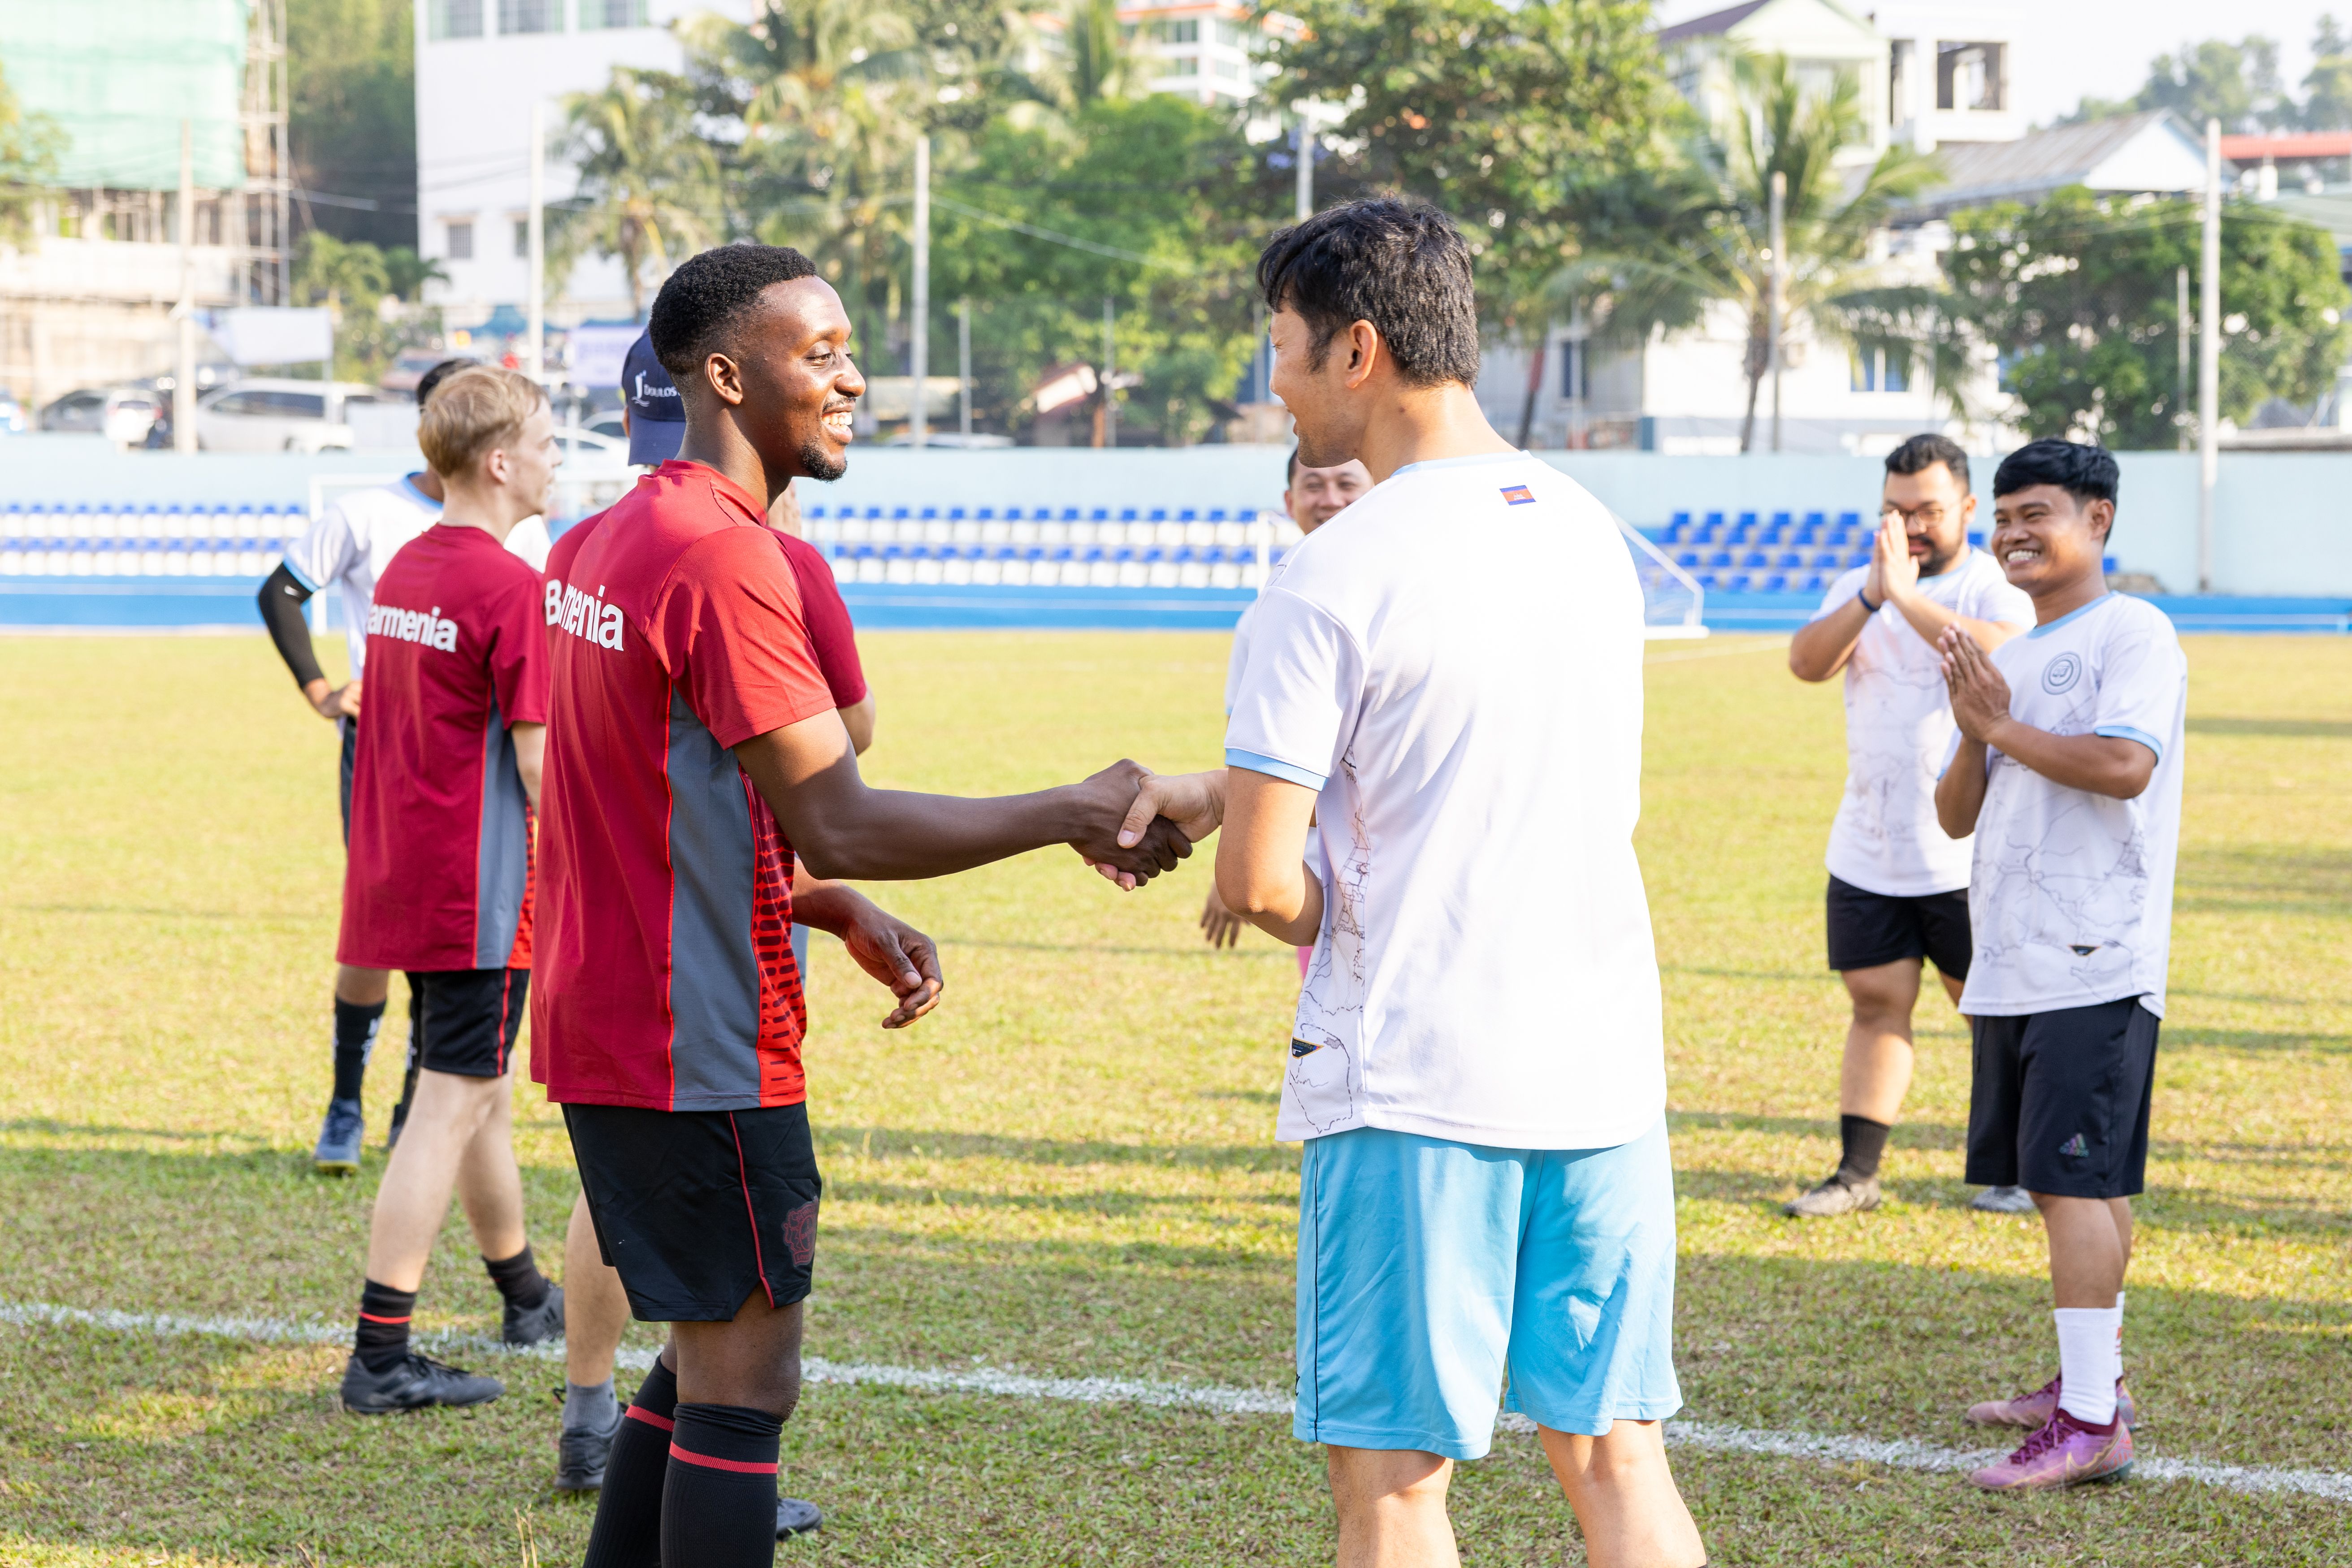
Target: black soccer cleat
x=533 y=1325
x=413 y=1382
x=795 y=1517
x=581 y=1455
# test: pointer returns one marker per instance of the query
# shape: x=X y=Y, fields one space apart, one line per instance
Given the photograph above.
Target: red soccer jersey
x=665 y=974
x=439 y=871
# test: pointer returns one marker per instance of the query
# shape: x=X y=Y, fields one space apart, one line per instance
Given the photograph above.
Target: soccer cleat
x=2035 y=1409
x=2003 y=1200
x=530 y=1325
x=413 y=1382
x=1835 y=1196
x=2064 y=1453
x=795 y=1517
x=581 y=1453
x=338 y=1153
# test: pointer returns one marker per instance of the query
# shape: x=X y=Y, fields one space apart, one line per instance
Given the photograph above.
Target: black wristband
x=1866 y=604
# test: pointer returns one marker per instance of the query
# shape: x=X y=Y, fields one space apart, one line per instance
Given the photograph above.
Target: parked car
x=123 y=415
x=408 y=368
x=591 y=448
x=270 y=414
x=609 y=424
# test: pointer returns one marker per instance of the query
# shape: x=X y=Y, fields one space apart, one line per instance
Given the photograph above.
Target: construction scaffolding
x=267 y=204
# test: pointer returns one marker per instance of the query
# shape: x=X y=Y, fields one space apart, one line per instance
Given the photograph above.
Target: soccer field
x=1066 y=1171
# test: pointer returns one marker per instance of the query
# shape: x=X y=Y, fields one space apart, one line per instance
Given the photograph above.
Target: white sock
x=2087 y=1363
x=2119 y=1335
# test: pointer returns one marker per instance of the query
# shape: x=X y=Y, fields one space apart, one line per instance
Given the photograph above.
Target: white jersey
x=1899 y=729
x=2071 y=900
x=1484 y=971
x=349 y=545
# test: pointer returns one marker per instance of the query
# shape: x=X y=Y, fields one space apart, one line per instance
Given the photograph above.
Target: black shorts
x=2059 y=1101
x=699 y=1208
x=465 y=1021
x=1867 y=929
x=349 y=727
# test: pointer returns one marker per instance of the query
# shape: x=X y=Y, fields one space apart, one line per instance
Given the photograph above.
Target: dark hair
x=437 y=374
x=1920 y=453
x=703 y=298
x=1290 y=474
x=1404 y=269
x=2087 y=473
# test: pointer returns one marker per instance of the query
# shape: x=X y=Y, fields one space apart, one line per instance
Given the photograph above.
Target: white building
x=1208 y=50
x=480 y=65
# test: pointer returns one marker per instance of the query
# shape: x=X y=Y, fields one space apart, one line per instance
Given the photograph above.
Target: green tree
x=1489 y=110
x=2327 y=87
x=649 y=192
x=2237 y=84
x=1675 y=238
x=29 y=145
x=351 y=113
x=2076 y=296
x=406 y=273
x=1098 y=57
x=348 y=278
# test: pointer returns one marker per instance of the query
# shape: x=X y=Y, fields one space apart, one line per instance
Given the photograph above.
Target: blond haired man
x=437 y=881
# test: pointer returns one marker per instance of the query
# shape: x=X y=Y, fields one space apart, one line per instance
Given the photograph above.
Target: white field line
x=1718 y=1436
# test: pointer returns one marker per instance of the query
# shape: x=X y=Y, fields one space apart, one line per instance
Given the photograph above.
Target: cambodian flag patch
x=1518 y=495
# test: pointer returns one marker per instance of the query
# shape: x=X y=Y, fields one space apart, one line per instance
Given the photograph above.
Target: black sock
x=718 y=1506
x=382 y=1337
x=519 y=1279
x=627 y=1532
x=355 y=1028
x=1865 y=1144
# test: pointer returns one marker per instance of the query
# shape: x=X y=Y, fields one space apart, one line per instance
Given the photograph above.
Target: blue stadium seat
x=1780 y=520
x=1720 y=560
x=1686 y=559
x=1816 y=519
x=1788 y=560
x=1816 y=583
x=1778 y=582
x=1715 y=520
x=1747 y=520
x=1679 y=527
x=1849 y=519
x=1754 y=559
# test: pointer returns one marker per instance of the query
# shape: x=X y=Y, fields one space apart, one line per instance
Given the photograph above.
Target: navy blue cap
x=657 y=413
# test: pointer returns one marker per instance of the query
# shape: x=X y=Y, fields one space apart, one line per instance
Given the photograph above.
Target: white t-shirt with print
x=349 y=543
x=1898 y=730
x=2070 y=902
x=1455 y=665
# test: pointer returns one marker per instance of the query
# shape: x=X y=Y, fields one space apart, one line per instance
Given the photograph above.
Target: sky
x=2101 y=48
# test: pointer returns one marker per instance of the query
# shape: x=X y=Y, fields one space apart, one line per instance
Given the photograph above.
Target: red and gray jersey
x=439 y=871
x=665 y=974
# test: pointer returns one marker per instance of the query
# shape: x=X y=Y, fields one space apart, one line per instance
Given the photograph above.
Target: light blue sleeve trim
x=2126 y=732
x=300 y=576
x=1287 y=772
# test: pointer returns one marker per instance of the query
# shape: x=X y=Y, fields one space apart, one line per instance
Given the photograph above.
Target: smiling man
x=1898 y=884
x=2066 y=768
x=1478 y=1064
x=695 y=756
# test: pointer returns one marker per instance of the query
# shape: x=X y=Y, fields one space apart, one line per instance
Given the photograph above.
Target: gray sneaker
x=1839 y=1195
x=796 y=1517
x=2003 y=1200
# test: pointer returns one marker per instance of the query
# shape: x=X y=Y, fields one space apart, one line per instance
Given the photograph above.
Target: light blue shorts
x=1432 y=1273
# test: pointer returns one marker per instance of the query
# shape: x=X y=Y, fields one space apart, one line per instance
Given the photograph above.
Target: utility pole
x=1779 y=241
x=1109 y=395
x=963 y=366
x=183 y=368
x=534 y=357
x=2180 y=356
x=2209 y=361
x=919 y=358
x=1305 y=205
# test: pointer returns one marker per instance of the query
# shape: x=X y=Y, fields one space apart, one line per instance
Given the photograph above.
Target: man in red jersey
x=439 y=878
x=595 y=1308
x=695 y=751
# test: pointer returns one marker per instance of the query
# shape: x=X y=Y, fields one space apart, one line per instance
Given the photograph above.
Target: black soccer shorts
x=465 y=1021
x=1867 y=929
x=2059 y=1102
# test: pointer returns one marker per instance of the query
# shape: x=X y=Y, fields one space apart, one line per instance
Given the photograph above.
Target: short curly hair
x=703 y=298
x=1403 y=267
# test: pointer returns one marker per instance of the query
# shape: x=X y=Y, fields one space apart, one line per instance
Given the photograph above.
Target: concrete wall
x=2281 y=528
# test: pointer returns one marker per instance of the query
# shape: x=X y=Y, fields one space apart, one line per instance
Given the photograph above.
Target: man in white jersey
x=1477 y=1066
x=347 y=546
x=1311 y=498
x=2067 y=769
x=1899 y=885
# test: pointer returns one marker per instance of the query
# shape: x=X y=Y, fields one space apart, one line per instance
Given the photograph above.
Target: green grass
x=1068 y=1169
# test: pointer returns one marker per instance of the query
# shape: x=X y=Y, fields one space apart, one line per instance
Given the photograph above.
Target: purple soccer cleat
x=2062 y=1453
x=2032 y=1411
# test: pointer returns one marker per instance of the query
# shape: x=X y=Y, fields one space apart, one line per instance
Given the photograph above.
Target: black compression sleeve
x=281 y=599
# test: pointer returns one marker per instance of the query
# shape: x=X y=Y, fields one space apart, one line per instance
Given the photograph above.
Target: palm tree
x=1678 y=240
x=1097 y=62
x=649 y=186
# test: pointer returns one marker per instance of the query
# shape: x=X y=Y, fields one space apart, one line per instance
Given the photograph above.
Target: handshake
x=1138 y=823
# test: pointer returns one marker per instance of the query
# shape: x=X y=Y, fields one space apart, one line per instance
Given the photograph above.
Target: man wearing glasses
x=1898 y=884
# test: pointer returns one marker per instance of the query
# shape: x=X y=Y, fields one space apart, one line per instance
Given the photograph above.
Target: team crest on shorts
x=1518 y=495
x=799 y=1233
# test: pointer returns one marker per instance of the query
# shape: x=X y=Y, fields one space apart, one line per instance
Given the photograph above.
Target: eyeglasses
x=1928 y=516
